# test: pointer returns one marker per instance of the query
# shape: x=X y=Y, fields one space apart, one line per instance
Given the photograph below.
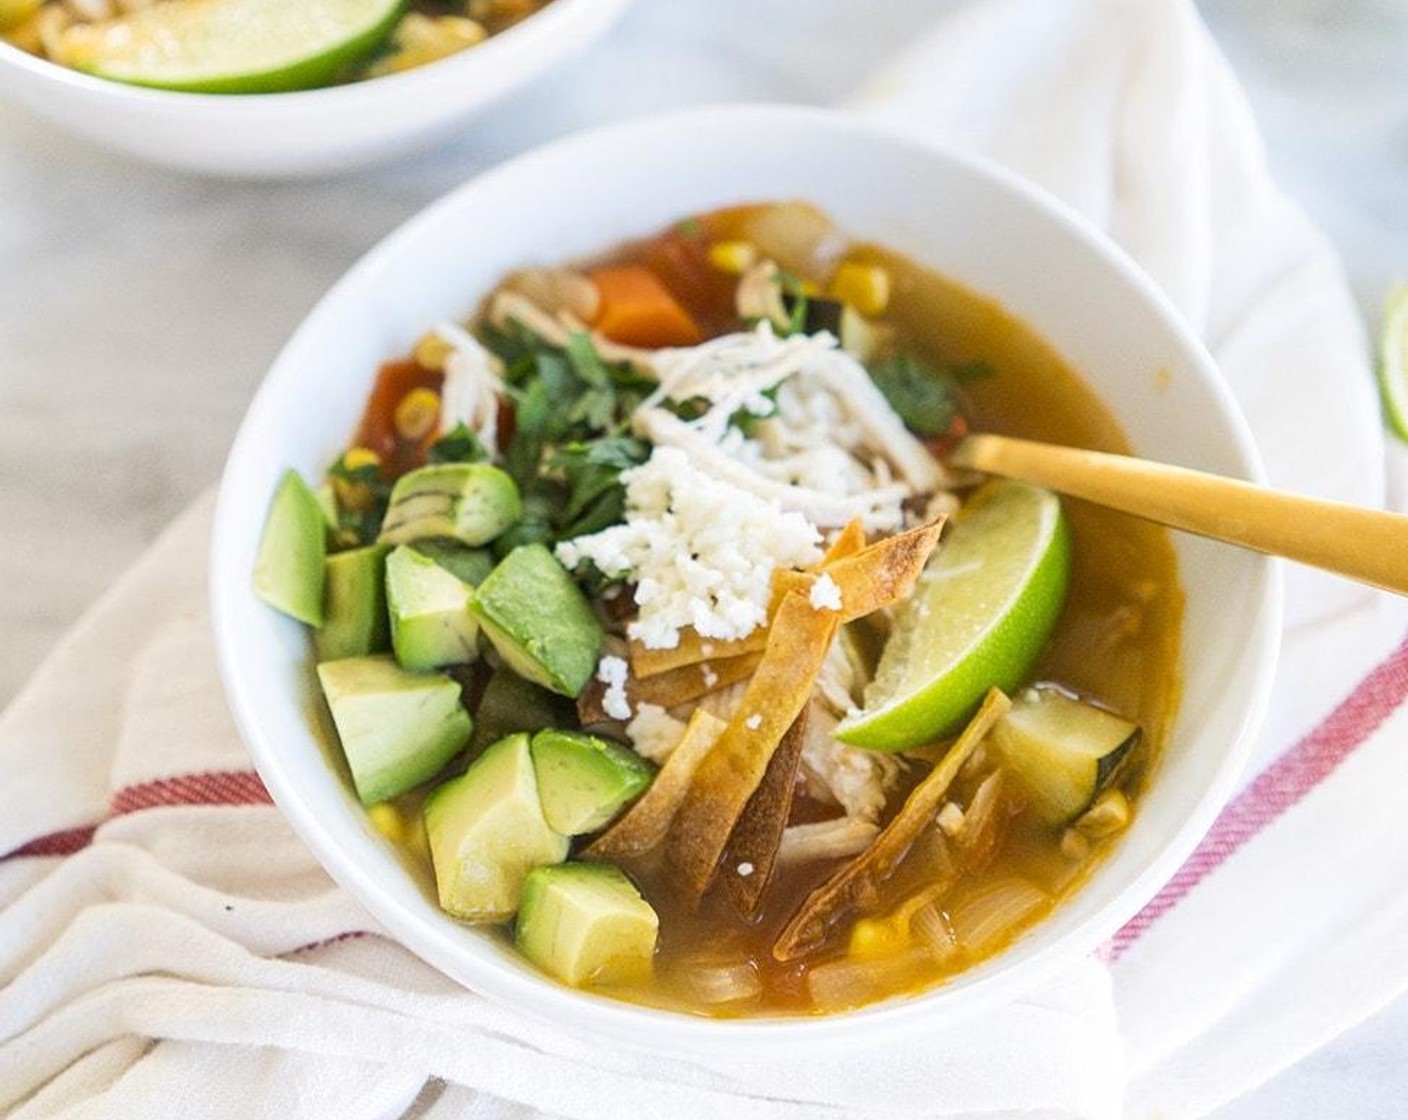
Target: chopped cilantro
x=571 y=410
x=459 y=445
x=592 y=470
x=928 y=400
x=359 y=521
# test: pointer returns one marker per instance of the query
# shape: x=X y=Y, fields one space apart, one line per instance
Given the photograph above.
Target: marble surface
x=138 y=309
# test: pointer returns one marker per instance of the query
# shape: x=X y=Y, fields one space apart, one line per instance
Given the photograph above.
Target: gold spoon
x=1369 y=545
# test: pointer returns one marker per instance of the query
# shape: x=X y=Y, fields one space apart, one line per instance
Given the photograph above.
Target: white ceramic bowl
x=965 y=218
x=311 y=132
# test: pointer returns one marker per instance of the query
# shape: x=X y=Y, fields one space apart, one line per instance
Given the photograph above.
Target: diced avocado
x=398 y=729
x=510 y=703
x=468 y=502
x=586 y=924
x=487 y=831
x=354 y=605
x=1064 y=750
x=472 y=565
x=288 y=572
x=585 y=781
x=539 y=620
x=430 y=621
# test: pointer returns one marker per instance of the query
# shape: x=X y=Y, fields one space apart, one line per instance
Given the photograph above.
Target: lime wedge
x=980 y=615
x=1393 y=360
x=232 y=46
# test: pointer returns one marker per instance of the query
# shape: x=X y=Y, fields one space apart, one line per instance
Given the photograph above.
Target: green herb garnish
x=928 y=400
x=458 y=445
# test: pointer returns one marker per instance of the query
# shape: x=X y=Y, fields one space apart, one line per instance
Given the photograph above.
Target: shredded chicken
x=833 y=839
x=510 y=306
x=759 y=295
x=473 y=384
x=878 y=509
x=854 y=779
x=722 y=703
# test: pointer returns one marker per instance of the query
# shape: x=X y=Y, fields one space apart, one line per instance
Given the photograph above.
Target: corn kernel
x=875 y=937
x=416 y=414
x=387 y=820
x=866 y=287
x=358 y=457
x=354 y=495
x=431 y=352
x=733 y=257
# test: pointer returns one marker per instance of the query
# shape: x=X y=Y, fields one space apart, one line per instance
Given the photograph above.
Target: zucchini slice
x=1065 y=751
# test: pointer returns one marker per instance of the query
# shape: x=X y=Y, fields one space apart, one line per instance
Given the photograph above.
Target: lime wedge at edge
x=979 y=617
x=1393 y=360
x=232 y=46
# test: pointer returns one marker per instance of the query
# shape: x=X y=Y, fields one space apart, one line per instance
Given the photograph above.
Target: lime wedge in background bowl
x=1393 y=360
x=233 y=46
x=979 y=617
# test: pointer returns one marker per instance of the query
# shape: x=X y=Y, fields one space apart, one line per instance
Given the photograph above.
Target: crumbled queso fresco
x=700 y=551
x=825 y=595
x=611 y=671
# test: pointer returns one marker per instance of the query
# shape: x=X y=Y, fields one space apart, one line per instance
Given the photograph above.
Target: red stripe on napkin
x=215 y=787
x=63 y=843
x=1281 y=785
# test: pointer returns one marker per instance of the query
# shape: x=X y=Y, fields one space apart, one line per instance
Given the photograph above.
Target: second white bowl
x=311 y=132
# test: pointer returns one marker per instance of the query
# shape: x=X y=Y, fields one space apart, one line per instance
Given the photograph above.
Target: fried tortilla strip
x=758 y=835
x=647 y=664
x=880 y=574
x=729 y=774
x=848 y=542
x=856 y=885
x=669 y=690
x=646 y=822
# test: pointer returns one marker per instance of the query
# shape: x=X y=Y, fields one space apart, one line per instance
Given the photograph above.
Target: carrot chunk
x=638 y=310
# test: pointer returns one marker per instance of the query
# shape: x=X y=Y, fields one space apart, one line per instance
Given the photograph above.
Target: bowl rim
x=543 y=26
x=675 y=1033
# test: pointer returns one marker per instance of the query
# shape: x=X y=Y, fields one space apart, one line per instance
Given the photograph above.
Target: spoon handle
x=1369 y=545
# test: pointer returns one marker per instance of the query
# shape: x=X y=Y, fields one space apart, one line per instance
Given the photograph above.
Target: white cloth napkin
x=187 y=957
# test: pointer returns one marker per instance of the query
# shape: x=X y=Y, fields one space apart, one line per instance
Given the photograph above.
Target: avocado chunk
x=398 y=729
x=587 y=925
x=430 y=621
x=585 y=781
x=472 y=565
x=288 y=571
x=354 y=605
x=1063 y=750
x=468 y=502
x=539 y=620
x=487 y=832
x=509 y=704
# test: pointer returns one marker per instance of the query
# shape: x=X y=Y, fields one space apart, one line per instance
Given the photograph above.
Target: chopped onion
x=719 y=982
x=837 y=985
x=930 y=927
x=995 y=911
